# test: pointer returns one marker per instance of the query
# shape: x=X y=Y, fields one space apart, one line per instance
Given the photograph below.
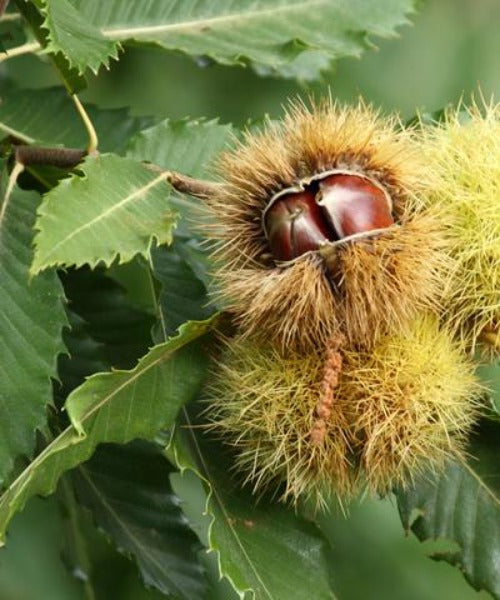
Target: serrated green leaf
x=263 y=548
x=462 y=505
x=49 y=117
x=268 y=32
x=190 y=147
x=186 y=146
x=83 y=45
x=70 y=77
x=114 y=207
x=192 y=496
x=128 y=492
x=31 y=323
x=115 y=407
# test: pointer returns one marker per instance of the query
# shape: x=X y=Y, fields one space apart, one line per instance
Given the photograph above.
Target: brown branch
x=71 y=157
x=3 y=6
x=333 y=368
x=198 y=188
x=56 y=157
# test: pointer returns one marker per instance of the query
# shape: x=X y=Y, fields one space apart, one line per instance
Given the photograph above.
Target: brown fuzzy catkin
x=333 y=368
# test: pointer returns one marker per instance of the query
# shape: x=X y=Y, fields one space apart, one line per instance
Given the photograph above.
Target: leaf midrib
x=127 y=530
x=207 y=21
x=137 y=192
x=214 y=491
x=25 y=475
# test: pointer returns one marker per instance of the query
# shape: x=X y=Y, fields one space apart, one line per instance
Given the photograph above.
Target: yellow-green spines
x=401 y=408
x=411 y=401
x=464 y=151
x=303 y=303
x=263 y=405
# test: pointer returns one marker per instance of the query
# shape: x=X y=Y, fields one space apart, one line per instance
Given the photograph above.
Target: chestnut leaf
x=462 y=505
x=127 y=490
x=186 y=146
x=113 y=207
x=118 y=406
x=269 y=34
x=262 y=548
x=31 y=323
x=30 y=116
x=70 y=33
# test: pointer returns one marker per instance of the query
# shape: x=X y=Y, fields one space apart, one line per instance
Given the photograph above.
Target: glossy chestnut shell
x=327 y=208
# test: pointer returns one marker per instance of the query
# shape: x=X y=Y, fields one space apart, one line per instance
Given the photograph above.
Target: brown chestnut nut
x=354 y=204
x=295 y=224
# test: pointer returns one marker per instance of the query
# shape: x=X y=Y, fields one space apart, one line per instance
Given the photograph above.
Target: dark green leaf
x=463 y=505
x=128 y=492
x=49 y=117
x=183 y=295
x=115 y=407
x=31 y=323
x=123 y=331
x=264 y=547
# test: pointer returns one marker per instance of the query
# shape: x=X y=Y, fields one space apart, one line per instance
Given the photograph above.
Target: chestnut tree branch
x=55 y=157
x=199 y=188
x=3 y=6
x=70 y=157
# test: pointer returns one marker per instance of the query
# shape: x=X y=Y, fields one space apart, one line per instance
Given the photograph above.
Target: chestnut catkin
x=265 y=406
x=312 y=210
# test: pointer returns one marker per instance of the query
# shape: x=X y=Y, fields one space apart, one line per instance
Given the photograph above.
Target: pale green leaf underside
x=186 y=146
x=463 y=505
x=264 y=548
x=115 y=407
x=31 y=322
x=68 y=32
x=115 y=208
x=266 y=32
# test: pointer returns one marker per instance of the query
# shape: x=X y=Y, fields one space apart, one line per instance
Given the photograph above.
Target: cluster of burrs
x=360 y=261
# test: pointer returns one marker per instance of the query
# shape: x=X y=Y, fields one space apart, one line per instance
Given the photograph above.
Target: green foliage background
x=452 y=47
